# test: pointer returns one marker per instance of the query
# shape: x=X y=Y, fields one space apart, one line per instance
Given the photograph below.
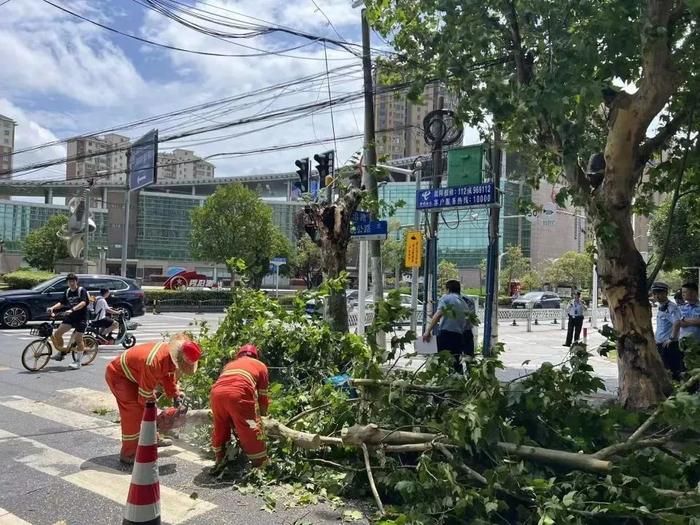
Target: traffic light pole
x=430 y=293
x=127 y=211
x=369 y=178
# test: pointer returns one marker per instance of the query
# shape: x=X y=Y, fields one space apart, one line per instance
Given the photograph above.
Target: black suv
x=19 y=306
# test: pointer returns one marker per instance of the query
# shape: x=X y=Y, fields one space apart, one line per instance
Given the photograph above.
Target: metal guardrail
x=186 y=305
x=353 y=318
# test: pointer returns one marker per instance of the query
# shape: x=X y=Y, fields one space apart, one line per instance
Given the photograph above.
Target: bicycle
x=37 y=354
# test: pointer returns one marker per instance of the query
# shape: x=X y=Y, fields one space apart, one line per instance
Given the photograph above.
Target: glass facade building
x=18 y=218
x=163 y=224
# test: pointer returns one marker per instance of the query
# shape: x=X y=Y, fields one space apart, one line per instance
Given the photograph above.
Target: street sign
x=143 y=160
x=456 y=198
x=414 y=249
x=547 y=216
x=359 y=217
x=369 y=231
x=278 y=261
x=466 y=165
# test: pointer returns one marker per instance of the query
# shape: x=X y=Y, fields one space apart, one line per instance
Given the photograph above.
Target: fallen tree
x=433 y=447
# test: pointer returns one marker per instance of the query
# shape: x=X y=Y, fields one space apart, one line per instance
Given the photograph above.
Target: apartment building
x=399 y=122
x=107 y=156
x=7 y=144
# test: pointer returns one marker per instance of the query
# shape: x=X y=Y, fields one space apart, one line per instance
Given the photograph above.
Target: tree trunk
x=334 y=258
x=642 y=377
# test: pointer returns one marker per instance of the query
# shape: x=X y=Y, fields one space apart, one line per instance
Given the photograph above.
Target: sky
x=62 y=76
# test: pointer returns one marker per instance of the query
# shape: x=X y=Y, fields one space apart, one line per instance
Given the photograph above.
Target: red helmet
x=249 y=350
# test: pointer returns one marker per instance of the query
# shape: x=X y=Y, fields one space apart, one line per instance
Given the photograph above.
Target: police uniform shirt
x=688 y=312
x=667 y=314
x=575 y=309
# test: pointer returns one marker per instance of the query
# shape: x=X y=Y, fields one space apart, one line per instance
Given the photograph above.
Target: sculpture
x=73 y=232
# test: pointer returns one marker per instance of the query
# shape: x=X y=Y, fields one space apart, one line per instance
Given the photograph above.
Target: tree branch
x=631 y=446
x=671 y=212
x=651 y=145
x=370 y=477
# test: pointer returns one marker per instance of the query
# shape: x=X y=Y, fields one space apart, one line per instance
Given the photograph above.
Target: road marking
x=3 y=368
x=176 y=506
x=7 y=518
x=91 y=424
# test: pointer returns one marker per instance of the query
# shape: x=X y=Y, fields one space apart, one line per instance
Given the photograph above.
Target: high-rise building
x=399 y=122
x=7 y=144
x=180 y=164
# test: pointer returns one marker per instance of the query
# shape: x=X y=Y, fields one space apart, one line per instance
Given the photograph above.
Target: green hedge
x=22 y=279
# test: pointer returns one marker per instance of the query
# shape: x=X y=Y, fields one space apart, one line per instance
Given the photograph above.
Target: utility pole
x=369 y=179
x=86 y=225
x=430 y=293
x=491 y=313
x=127 y=209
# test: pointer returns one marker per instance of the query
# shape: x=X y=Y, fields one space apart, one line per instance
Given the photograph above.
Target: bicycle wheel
x=36 y=354
x=91 y=348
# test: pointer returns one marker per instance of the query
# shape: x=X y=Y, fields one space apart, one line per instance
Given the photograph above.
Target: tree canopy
x=514 y=267
x=678 y=243
x=562 y=81
x=572 y=268
x=43 y=247
x=235 y=224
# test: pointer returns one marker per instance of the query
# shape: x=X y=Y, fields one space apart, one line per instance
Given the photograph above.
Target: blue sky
x=62 y=76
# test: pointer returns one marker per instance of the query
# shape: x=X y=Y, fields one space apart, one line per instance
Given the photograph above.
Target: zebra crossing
x=60 y=448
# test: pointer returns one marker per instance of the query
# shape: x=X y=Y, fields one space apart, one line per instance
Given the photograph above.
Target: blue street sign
x=313 y=188
x=143 y=160
x=358 y=217
x=369 y=230
x=456 y=197
x=278 y=261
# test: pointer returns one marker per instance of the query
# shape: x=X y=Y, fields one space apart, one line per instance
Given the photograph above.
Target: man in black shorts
x=76 y=299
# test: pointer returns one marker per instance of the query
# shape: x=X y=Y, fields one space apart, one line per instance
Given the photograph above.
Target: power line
x=190 y=109
x=181 y=49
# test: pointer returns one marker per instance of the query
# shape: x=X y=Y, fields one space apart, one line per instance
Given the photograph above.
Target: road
x=59 y=447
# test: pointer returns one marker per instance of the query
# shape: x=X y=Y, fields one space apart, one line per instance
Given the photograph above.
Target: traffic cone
x=143 y=501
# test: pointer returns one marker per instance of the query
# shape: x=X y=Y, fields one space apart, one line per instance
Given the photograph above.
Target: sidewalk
x=527 y=351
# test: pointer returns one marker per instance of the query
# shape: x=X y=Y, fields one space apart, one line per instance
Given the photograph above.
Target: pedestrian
x=688 y=326
x=667 y=315
x=451 y=313
x=134 y=375
x=105 y=325
x=469 y=330
x=76 y=299
x=238 y=399
x=575 y=313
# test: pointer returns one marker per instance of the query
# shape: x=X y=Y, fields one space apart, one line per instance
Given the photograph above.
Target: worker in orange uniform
x=134 y=375
x=235 y=398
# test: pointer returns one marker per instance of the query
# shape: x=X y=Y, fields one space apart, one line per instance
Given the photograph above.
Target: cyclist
x=105 y=325
x=76 y=299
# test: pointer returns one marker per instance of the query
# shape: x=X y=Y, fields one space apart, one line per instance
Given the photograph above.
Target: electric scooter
x=123 y=337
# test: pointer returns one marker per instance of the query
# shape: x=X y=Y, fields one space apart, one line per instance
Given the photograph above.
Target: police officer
x=688 y=326
x=575 y=313
x=667 y=345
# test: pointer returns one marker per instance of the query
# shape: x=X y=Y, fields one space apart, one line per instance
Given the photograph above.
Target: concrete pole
x=86 y=234
x=125 y=242
x=594 y=296
x=370 y=161
x=362 y=288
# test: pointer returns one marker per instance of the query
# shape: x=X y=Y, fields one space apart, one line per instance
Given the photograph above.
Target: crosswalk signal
x=324 y=166
x=303 y=174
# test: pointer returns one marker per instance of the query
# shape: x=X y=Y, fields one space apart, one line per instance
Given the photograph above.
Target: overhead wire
x=181 y=49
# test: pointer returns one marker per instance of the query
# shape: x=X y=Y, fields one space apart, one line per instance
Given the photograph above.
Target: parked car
x=17 y=307
x=538 y=300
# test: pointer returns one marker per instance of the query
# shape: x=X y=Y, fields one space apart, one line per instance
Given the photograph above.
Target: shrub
x=24 y=278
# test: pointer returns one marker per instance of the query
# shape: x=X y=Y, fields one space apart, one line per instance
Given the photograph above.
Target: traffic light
x=324 y=166
x=303 y=173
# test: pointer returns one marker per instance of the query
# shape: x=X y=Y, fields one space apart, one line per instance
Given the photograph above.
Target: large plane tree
x=564 y=79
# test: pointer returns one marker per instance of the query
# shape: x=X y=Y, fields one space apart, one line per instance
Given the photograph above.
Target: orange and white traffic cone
x=143 y=501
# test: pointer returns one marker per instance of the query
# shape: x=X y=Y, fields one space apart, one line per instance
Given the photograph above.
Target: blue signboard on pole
x=456 y=197
x=359 y=217
x=371 y=230
x=143 y=161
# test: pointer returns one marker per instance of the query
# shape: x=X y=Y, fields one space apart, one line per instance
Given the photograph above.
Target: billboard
x=143 y=159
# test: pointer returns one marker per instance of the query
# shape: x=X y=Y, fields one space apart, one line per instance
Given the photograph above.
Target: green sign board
x=466 y=165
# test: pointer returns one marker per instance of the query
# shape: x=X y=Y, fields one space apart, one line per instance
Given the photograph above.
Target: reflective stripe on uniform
x=145 y=393
x=217 y=449
x=130 y=437
x=258 y=455
x=243 y=373
x=125 y=368
x=152 y=355
x=263 y=392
